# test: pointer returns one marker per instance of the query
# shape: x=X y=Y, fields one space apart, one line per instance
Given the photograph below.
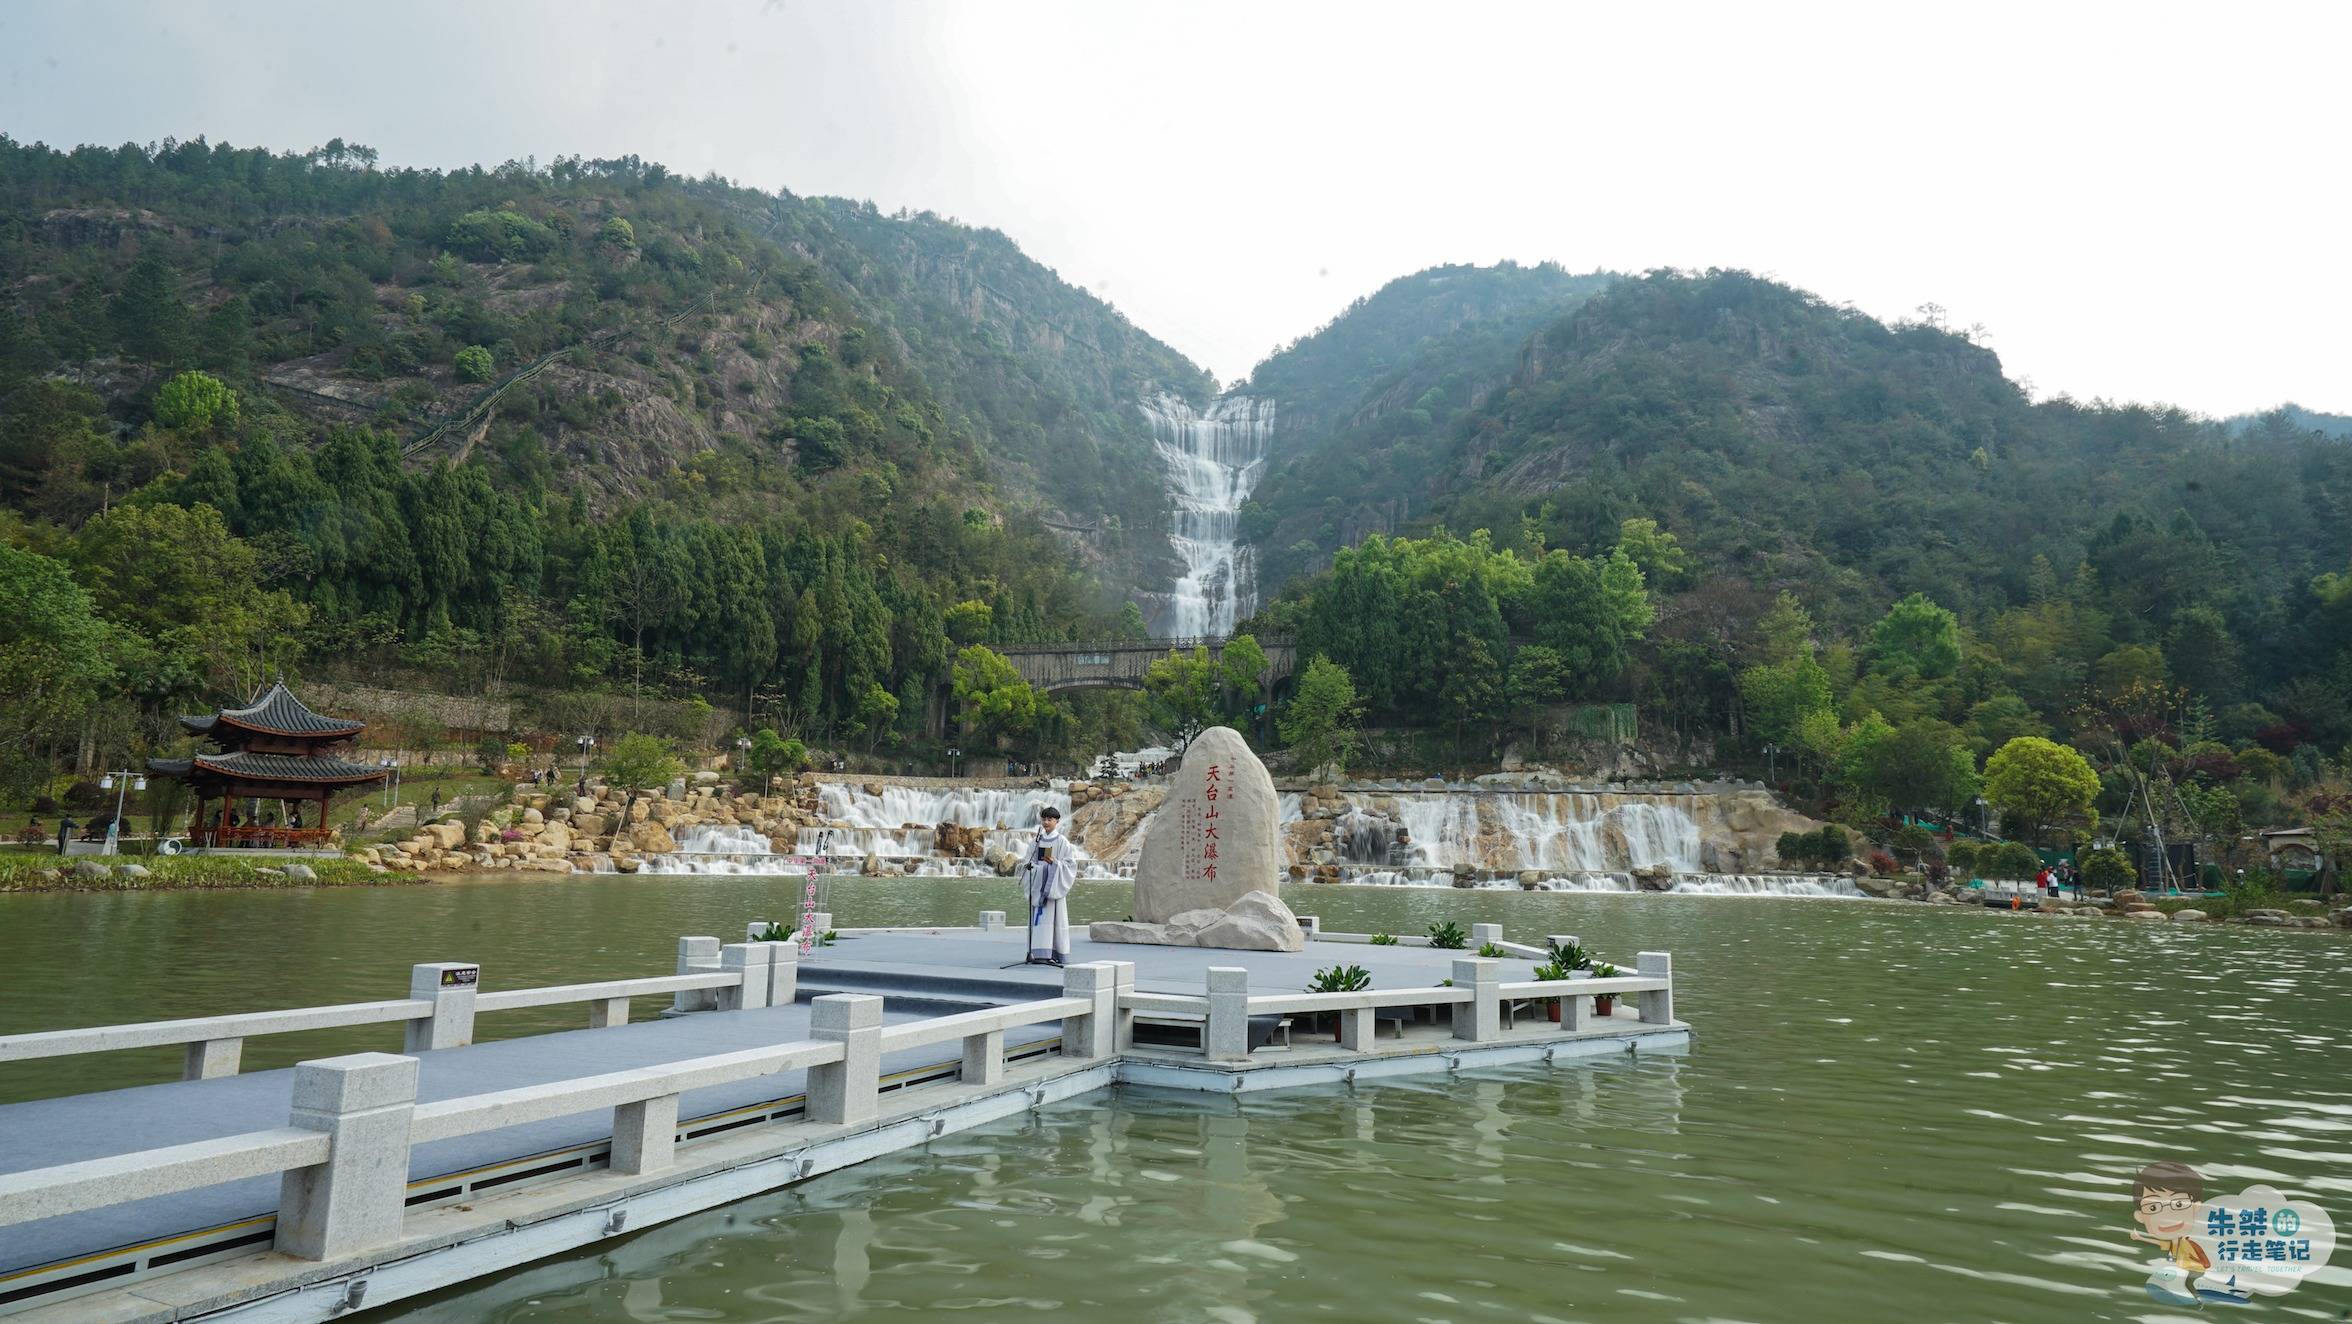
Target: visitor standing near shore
x=1046 y=877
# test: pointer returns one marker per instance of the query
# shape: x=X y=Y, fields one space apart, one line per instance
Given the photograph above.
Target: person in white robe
x=1047 y=875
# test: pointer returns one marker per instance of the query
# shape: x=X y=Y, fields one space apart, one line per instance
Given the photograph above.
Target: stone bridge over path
x=1120 y=664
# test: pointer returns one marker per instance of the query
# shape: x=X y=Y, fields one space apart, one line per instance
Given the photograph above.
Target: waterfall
x=901 y=825
x=1546 y=832
x=1214 y=460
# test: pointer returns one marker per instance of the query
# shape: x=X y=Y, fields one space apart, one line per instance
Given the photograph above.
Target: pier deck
x=483 y=1196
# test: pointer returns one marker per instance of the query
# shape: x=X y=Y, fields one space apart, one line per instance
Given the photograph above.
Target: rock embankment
x=609 y=830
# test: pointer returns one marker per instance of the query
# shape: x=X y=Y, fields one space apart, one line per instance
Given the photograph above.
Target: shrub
x=2107 y=869
x=1384 y=940
x=2009 y=859
x=1490 y=951
x=474 y=364
x=1883 y=864
x=1448 y=936
x=1341 y=979
x=1963 y=857
x=639 y=760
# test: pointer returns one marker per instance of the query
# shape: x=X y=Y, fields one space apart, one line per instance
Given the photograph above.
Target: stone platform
x=489 y=1200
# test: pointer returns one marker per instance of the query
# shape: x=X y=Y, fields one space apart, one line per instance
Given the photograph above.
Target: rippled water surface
x=1889 y=1113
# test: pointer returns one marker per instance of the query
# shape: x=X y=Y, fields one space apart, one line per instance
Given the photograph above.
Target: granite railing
x=443 y=999
x=343 y=1156
x=1225 y=1005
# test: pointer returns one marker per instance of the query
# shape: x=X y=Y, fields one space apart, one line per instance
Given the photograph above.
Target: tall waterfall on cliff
x=1214 y=460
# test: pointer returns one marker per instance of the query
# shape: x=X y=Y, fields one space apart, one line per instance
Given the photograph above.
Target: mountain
x=1380 y=388
x=2293 y=416
x=2111 y=572
x=590 y=423
x=1044 y=375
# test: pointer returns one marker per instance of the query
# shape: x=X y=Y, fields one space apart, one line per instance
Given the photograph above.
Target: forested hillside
x=1806 y=493
x=589 y=425
x=1379 y=390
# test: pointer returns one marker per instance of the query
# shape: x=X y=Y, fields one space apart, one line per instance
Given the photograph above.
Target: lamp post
x=955 y=756
x=742 y=755
x=1984 y=819
x=585 y=743
x=1772 y=764
x=121 y=784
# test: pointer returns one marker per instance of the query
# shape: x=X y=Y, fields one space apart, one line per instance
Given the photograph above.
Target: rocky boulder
x=1216 y=838
x=1255 y=922
x=2191 y=916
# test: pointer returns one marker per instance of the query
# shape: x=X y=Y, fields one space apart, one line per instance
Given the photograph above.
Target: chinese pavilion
x=275 y=751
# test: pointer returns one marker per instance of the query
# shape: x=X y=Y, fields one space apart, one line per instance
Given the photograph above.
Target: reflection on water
x=1888 y=1113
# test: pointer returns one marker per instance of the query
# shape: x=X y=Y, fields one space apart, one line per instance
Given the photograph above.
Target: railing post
x=354 y=1200
x=1122 y=1018
x=1225 y=1038
x=1482 y=1020
x=213 y=1057
x=748 y=962
x=449 y=986
x=1576 y=1012
x=1310 y=925
x=783 y=973
x=696 y=956
x=1657 y=1007
x=604 y=1013
x=820 y=924
x=984 y=1062
x=1482 y=934
x=840 y=1093
x=645 y=1135
x=1357 y=1026
x=991 y=920
x=1090 y=1034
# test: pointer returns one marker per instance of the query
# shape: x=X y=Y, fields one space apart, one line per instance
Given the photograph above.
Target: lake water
x=1888 y=1113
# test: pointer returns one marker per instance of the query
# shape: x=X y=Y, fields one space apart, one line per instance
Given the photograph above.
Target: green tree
x=637 y=761
x=2107 y=870
x=1131 y=623
x=876 y=711
x=969 y=622
x=993 y=699
x=1539 y=679
x=1319 y=722
x=55 y=661
x=618 y=234
x=2041 y=785
x=1919 y=637
x=1664 y=564
x=192 y=592
x=1240 y=665
x=1182 y=692
x=1779 y=696
x=774 y=756
x=474 y=364
x=1922 y=764
x=195 y=403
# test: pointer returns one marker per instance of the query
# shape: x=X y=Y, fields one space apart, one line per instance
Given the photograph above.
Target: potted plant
x=1552 y=971
x=1383 y=940
x=1491 y=951
x=1604 y=1004
x=1335 y=979
x=1448 y=936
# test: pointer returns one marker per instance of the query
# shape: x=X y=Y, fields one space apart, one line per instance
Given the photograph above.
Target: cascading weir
x=1214 y=461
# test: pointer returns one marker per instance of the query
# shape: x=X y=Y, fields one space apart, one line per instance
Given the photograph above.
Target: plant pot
x=1605 y=1004
x=1552 y=1010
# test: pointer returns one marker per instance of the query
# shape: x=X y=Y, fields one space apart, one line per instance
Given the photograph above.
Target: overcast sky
x=2137 y=202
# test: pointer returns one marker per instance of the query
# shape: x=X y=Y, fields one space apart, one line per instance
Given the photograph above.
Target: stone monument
x=1211 y=870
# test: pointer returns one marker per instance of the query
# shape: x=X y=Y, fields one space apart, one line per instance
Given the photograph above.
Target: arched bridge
x=1120 y=663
